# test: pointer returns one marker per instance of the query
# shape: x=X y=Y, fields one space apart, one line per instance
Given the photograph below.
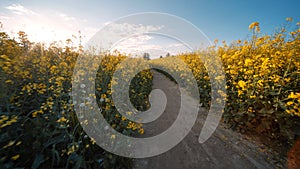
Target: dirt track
x=225 y=149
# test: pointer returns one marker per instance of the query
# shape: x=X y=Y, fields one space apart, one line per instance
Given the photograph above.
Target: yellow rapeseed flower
x=141 y=131
x=93 y=140
x=129 y=113
x=242 y=84
x=10 y=143
x=289 y=19
x=253 y=25
x=9 y=81
x=62 y=119
x=15 y=157
x=294 y=96
x=34 y=114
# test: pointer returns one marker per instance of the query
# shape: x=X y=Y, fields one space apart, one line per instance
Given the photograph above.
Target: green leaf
x=39 y=159
x=77 y=159
x=55 y=140
x=282 y=105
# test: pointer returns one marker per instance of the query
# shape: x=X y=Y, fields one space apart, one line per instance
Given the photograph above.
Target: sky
x=48 y=21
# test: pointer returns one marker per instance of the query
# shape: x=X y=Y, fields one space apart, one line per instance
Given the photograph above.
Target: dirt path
x=225 y=149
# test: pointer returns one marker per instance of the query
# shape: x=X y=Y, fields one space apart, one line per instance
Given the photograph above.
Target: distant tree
x=160 y=56
x=146 y=56
x=168 y=54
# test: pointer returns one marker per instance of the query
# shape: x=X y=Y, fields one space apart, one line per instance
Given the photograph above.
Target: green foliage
x=38 y=125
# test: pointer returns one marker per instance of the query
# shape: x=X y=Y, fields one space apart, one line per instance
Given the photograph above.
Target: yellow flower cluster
x=254 y=25
x=140 y=87
x=7 y=121
x=134 y=126
x=37 y=85
x=293 y=105
x=262 y=75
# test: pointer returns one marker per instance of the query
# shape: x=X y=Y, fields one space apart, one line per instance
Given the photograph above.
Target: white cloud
x=20 y=10
x=175 y=45
x=66 y=17
x=142 y=40
x=122 y=36
x=132 y=42
x=48 y=26
x=3 y=17
x=127 y=28
x=138 y=45
x=135 y=45
x=44 y=26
